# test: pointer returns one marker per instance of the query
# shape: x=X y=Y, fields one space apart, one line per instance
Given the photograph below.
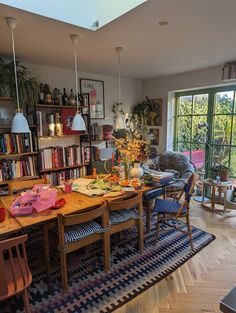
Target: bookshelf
x=63 y=154
x=20 y=153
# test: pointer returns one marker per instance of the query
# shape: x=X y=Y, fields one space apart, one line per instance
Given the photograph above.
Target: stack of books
x=16 y=143
x=12 y=169
x=161 y=178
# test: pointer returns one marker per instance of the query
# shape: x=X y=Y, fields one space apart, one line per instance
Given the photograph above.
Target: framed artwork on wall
x=153 y=136
x=95 y=89
x=155 y=114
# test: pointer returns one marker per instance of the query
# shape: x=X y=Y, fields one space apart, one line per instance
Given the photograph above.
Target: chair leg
x=140 y=235
x=106 y=251
x=148 y=215
x=158 y=228
x=189 y=230
x=26 y=301
x=47 y=255
x=64 y=275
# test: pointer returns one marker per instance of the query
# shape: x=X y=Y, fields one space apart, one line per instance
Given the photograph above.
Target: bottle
x=41 y=94
x=58 y=124
x=59 y=97
x=55 y=97
x=51 y=125
x=64 y=97
x=48 y=95
x=71 y=98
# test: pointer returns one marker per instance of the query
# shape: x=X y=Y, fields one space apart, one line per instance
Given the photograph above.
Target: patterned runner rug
x=92 y=290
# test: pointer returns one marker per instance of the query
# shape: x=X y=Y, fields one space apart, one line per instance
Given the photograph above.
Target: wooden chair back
x=75 y=219
x=19 y=185
x=188 y=190
x=19 y=269
x=135 y=200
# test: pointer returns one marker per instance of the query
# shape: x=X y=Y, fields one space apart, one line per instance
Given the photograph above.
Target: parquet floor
x=200 y=284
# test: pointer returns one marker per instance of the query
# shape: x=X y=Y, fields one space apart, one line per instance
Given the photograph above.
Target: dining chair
x=125 y=214
x=19 y=185
x=173 y=208
x=80 y=230
x=15 y=276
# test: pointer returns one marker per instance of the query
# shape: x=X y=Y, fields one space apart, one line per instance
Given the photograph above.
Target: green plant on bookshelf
x=28 y=85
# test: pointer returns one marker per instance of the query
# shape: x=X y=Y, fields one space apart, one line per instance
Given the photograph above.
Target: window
x=205 y=127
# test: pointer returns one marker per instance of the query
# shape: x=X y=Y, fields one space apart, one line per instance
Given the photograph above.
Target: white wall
x=165 y=87
x=60 y=78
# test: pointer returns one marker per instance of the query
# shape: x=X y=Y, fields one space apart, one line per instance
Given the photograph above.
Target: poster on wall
x=95 y=89
x=155 y=113
x=153 y=136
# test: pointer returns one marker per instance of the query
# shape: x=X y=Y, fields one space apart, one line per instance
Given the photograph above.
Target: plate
x=113 y=194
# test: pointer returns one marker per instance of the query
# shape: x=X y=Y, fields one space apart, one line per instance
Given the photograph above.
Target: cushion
x=117 y=217
x=80 y=231
x=152 y=194
x=168 y=207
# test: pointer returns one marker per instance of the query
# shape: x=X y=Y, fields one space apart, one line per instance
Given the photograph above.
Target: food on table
x=125 y=183
x=135 y=182
x=113 y=194
x=148 y=179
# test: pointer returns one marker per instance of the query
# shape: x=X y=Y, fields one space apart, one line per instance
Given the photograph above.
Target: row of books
x=13 y=169
x=16 y=143
x=55 y=157
x=57 y=178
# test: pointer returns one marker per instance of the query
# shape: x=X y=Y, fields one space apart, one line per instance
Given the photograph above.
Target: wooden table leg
x=213 y=198
x=47 y=254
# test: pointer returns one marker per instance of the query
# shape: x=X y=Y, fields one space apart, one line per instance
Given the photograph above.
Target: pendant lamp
x=120 y=120
x=78 y=121
x=19 y=122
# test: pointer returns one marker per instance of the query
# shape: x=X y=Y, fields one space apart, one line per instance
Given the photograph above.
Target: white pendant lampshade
x=19 y=122
x=78 y=121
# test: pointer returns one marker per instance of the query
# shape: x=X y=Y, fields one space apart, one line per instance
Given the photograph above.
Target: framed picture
x=155 y=114
x=95 y=88
x=153 y=136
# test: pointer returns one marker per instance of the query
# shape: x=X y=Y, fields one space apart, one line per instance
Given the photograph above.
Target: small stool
x=228 y=304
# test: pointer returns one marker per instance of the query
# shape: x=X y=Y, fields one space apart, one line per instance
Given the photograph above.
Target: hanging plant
x=28 y=86
x=141 y=112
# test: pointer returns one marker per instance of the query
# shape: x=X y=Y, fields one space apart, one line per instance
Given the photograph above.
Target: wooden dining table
x=75 y=203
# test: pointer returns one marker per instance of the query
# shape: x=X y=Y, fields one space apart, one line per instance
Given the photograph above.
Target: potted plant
x=221 y=170
x=28 y=85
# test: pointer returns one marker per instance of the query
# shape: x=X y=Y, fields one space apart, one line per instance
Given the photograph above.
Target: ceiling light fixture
x=120 y=119
x=78 y=121
x=163 y=23
x=19 y=122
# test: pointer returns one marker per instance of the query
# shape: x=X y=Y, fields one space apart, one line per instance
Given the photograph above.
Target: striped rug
x=92 y=290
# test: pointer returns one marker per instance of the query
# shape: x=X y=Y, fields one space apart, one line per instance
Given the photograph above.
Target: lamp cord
x=76 y=81
x=119 y=95
x=14 y=61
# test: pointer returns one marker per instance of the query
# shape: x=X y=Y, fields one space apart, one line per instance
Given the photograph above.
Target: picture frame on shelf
x=154 y=136
x=155 y=113
x=95 y=89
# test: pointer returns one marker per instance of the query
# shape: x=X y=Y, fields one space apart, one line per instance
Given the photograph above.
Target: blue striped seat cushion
x=120 y=216
x=80 y=231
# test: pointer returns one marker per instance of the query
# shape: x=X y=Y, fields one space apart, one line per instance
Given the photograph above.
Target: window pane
x=200 y=104
x=224 y=102
x=222 y=129
x=185 y=105
x=198 y=155
x=199 y=130
x=184 y=147
x=234 y=131
x=233 y=161
x=221 y=154
x=184 y=128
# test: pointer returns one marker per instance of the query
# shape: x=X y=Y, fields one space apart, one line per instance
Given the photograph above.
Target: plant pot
x=136 y=171
x=224 y=175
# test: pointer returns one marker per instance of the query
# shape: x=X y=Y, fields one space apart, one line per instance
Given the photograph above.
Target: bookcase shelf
x=17 y=155
x=18 y=179
x=55 y=169
x=54 y=106
x=62 y=136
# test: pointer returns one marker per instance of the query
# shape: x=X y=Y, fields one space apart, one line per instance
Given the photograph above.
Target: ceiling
x=200 y=34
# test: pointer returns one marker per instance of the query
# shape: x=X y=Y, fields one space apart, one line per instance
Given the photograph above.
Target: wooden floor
x=200 y=284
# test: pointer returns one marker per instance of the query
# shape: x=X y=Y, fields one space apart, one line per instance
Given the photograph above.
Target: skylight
x=91 y=14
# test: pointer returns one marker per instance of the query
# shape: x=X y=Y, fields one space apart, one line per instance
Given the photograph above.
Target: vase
x=136 y=171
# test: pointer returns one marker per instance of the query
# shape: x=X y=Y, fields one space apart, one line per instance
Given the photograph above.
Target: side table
x=216 y=191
